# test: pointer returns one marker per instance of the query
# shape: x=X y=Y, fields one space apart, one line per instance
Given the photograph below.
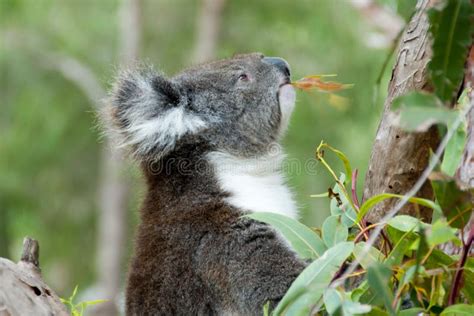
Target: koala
x=207 y=142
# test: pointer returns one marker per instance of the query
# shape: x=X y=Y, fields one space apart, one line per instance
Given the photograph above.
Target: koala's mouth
x=285 y=82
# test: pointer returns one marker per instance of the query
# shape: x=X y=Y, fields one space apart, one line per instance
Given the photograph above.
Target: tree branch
x=78 y=73
x=22 y=289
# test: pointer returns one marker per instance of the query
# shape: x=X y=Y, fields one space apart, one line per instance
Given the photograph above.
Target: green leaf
x=401 y=245
x=301 y=306
x=377 y=311
x=418 y=99
x=458 y=310
x=468 y=288
x=353 y=308
x=334 y=231
x=418 y=111
x=373 y=256
x=452 y=30
x=440 y=232
x=332 y=300
x=364 y=208
x=367 y=295
x=438 y=259
x=406 y=223
x=304 y=241
x=406 y=8
x=408 y=275
x=379 y=280
x=338 y=303
x=411 y=312
x=315 y=278
x=454 y=150
x=454 y=202
x=266 y=309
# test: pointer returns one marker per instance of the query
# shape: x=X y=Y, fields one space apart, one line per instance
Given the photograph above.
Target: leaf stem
x=364 y=231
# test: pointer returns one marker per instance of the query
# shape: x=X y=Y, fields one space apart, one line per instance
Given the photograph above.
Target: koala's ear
x=147 y=112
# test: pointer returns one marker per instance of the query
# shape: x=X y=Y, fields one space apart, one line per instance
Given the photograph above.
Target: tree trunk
x=208 y=27
x=114 y=190
x=113 y=195
x=23 y=291
x=398 y=158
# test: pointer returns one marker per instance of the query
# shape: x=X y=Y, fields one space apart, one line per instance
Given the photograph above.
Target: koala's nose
x=280 y=63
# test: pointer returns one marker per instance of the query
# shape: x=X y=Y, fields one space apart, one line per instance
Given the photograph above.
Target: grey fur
x=194 y=253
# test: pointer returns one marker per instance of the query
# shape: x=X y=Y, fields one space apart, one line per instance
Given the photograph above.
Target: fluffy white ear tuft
x=148 y=113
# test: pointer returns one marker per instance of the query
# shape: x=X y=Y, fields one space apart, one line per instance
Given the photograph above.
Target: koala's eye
x=243 y=77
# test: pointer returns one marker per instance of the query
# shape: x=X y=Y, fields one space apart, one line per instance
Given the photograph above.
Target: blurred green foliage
x=49 y=145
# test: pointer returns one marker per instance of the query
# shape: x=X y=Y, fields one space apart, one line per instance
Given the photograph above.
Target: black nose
x=280 y=63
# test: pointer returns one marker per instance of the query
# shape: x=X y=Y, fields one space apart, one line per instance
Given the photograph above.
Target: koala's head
x=238 y=106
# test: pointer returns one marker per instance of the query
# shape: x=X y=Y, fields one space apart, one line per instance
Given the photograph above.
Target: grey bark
x=208 y=27
x=22 y=290
x=398 y=158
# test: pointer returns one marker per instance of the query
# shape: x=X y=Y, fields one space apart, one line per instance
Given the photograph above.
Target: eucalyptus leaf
x=355 y=308
x=468 y=288
x=418 y=111
x=379 y=280
x=304 y=241
x=315 y=278
x=438 y=259
x=371 y=202
x=377 y=311
x=337 y=302
x=454 y=150
x=406 y=8
x=455 y=204
x=440 y=232
x=408 y=275
x=451 y=28
x=403 y=242
x=301 y=306
x=406 y=223
x=333 y=231
x=372 y=257
x=415 y=311
x=332 y=300
x=458 y=310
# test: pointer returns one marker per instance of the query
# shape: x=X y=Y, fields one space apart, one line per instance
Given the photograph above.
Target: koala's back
x=210 y=261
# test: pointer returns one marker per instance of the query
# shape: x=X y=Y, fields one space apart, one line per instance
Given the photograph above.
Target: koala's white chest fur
x=254 y=184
